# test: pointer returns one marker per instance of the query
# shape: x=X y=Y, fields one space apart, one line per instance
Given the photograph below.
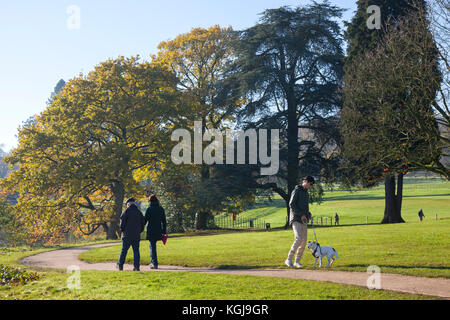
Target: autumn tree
x=78 y=159
x=201 y=59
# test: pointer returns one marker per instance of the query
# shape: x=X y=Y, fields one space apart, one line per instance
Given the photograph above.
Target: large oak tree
x=77 y=159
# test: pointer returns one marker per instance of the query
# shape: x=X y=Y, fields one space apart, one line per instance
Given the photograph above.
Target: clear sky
x=44 y=41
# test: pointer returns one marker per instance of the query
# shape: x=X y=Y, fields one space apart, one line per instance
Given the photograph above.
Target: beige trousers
x=299 y=245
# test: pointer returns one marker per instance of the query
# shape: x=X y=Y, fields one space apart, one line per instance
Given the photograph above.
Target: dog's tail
x=335 y=253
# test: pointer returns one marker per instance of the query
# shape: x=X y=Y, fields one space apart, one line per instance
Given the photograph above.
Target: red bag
x=164 y=238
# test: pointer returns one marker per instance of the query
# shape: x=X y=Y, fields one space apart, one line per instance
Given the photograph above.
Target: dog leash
x=318 y=245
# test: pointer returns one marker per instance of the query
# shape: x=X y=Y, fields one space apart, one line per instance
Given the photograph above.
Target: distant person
x=131 y=224
x=421 y=215
x=156 y=228
x=298 y=218
x=336 y=219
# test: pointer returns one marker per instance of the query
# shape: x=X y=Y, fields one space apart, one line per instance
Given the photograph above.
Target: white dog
x=319 y=252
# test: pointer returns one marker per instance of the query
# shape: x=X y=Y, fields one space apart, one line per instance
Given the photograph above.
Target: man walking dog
x=298 y=218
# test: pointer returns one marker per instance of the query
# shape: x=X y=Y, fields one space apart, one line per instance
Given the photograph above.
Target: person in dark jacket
x=131 y=224
x=421 y=215
x=157 y=223
x=298 y=218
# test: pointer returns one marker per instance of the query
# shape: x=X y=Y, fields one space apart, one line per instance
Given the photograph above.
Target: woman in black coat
x=156 y=219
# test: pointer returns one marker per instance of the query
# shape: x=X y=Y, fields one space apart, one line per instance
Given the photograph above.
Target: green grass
x=413 y=248
x=113 y=285
x=419 y=249
x=106 y=285
x=353 y=207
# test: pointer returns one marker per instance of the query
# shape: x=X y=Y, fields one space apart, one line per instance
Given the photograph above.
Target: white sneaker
x=289 y=263
x=298 y=265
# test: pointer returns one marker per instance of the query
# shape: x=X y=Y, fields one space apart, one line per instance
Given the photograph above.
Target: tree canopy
x=78 y=159
x=388 y=94
x=289 y=68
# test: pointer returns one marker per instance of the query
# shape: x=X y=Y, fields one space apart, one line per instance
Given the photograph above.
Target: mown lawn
x=127 y=285
x=354 y=206
x=412 y=248
x=419 y=249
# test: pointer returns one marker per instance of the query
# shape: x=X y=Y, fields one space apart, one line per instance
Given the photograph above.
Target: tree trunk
x=113 y=229
x=201 y=220
x=201 y=217
x=393 y=202
x=292 y=165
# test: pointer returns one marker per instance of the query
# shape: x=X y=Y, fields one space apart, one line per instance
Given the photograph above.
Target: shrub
x=10 y=275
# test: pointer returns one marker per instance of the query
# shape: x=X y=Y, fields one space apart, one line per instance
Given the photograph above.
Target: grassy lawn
x=106 y=285
x=112 y=285
x=412 y=248
x=353 y=207
x=419 y=249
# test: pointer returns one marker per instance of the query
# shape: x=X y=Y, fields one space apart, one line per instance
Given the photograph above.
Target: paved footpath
x=440 y=287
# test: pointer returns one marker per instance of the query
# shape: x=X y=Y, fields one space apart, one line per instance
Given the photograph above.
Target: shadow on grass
x=278 y=203
x=371 y=197
x=353 y=197
x=238 y=267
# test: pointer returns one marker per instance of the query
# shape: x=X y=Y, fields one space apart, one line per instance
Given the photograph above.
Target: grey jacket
x=299 y=205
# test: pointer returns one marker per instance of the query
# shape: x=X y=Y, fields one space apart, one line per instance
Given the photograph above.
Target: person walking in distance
x=421 y=215
x=131 y=225
x=298 y=218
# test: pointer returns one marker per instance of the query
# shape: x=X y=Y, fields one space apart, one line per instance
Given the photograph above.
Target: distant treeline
x=3 y=166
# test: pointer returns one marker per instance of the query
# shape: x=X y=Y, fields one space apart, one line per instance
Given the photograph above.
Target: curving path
x=440 y=287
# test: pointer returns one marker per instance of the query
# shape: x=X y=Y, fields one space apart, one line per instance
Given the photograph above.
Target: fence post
x=436 y=216
x=367 y=219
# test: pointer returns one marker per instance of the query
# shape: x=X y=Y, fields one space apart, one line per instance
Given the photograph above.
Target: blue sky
x=38 y=48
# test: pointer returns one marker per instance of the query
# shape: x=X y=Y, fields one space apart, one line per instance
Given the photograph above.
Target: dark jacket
x=132 y=224
x=299 y=205
x=156 y=219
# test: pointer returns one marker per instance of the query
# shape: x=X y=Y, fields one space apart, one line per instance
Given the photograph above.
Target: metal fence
x=322 y=221
x=227 y=222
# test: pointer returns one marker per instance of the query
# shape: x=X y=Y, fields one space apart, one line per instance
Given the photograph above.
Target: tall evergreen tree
x=360 y=37
x=290 y=68
x=378 y=142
